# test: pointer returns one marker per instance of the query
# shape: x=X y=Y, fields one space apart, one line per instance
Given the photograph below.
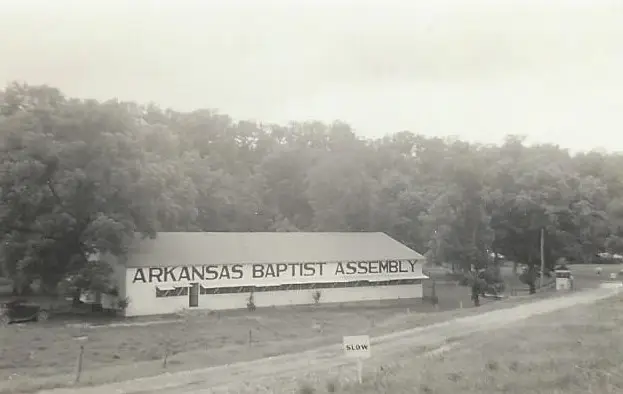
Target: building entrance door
x=193 y=296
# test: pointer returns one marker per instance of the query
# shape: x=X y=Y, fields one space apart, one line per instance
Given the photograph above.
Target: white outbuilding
x=221 y=271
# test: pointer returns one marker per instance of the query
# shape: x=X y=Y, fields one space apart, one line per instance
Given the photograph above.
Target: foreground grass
x=35 y=357
x=575 y=351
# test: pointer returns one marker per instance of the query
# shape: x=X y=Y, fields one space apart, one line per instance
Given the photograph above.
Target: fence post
x=250 y=337
x=165 y=359
x=79 y=364
x=433 y=296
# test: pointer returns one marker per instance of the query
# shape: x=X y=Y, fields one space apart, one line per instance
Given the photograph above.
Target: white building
x=219 y=271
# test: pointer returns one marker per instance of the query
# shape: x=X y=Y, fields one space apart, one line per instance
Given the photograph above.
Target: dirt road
x=221 y=379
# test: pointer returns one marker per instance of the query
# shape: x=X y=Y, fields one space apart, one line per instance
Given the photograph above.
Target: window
x=171 y=291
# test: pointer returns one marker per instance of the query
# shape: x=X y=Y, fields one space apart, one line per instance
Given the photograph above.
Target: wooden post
x=166 y=356
x=79 y=364
x=250 y=337
x=167 y=352
x=542 y=257
x=360 y=370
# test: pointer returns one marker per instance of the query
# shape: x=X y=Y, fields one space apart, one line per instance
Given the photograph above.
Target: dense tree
x=78 y=180
x=81 y=178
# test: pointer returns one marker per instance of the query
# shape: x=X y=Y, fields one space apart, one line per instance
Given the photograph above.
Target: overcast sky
x=474 y=69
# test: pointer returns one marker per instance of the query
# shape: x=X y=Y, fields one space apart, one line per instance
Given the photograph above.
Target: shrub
x=464 y=280
x=123 y=303
x=251 y=302
x=306 y=388
x=317 y=294
x=528 y=276
x=498 y=287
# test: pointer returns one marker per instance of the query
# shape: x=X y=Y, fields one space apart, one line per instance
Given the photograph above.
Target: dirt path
x=220 y=379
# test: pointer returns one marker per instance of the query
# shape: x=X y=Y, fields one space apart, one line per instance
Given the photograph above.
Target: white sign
x=357 y=346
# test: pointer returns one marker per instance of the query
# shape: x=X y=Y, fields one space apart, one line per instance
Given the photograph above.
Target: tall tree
x=75 y=182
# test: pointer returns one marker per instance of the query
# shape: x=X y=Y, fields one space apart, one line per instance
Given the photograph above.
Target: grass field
x=575 y=351
x=36 y=356
x=33 y=356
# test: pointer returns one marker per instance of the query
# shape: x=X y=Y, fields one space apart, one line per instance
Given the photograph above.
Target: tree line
x=80 y=178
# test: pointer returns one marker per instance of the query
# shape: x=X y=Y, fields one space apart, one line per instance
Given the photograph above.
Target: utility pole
x=542 y=257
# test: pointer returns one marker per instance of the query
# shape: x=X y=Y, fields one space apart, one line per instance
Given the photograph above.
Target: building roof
x=178 y=249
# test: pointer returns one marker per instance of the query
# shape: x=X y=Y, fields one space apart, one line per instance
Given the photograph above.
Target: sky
x=477 y=70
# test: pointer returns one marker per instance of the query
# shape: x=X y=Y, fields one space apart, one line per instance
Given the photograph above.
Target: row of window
x=183 y=291
x=175 y=292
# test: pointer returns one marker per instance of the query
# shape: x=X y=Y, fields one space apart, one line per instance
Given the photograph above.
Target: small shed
x=564 y=278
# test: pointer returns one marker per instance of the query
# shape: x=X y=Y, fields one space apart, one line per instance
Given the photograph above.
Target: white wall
x=143 y=299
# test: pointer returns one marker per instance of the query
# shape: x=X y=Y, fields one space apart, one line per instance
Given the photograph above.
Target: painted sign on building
x=251 y=274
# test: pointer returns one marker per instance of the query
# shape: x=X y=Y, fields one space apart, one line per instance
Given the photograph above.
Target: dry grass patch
x=49 y=352
x=576 y=351
x=39 y=356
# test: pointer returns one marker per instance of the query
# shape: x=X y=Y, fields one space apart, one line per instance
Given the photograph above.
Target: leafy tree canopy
x=80 y=179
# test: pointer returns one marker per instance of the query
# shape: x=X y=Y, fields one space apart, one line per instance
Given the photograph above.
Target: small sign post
x=357 y=347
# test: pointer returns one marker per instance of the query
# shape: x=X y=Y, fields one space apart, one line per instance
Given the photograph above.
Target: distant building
x=219 y=271
x=6 y=286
